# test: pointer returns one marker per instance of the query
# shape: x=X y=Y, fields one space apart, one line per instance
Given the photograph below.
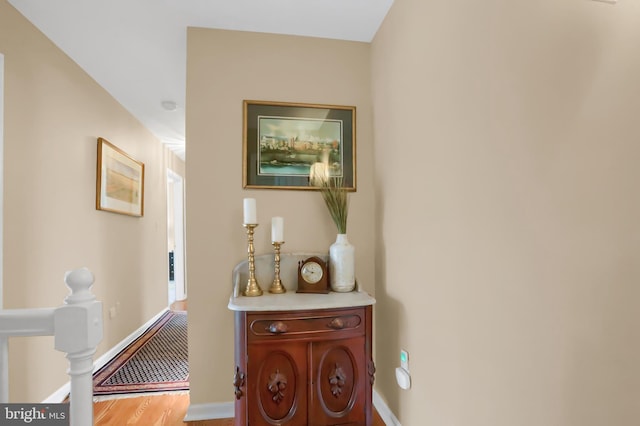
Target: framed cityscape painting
x=285 y=145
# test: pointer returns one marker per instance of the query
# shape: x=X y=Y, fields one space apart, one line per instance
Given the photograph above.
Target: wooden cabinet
x=304 y=367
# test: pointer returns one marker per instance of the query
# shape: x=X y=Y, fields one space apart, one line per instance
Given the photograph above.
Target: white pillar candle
x=277 y=229
x=250 y=214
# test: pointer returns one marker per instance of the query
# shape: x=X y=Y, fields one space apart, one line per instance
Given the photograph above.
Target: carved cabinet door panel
x=277 y=390
x=339 y=382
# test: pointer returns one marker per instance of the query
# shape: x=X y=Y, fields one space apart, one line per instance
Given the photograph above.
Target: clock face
x=311 y=272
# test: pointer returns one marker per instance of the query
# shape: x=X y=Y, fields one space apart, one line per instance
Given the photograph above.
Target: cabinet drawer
x=340 y=323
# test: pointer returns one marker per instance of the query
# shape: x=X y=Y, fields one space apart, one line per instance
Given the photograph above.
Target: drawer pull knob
x=277 y=327
x=336 y=324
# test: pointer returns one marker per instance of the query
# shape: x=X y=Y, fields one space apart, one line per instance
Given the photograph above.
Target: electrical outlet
x=112 y=312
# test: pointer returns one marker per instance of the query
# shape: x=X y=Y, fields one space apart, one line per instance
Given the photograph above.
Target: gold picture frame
x=119 y=181
x=283 y=143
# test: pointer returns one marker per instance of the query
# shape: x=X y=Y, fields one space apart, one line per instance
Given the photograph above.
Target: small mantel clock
x=312 y=276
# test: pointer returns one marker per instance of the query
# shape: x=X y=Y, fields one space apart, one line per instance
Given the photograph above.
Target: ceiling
x=136 y=49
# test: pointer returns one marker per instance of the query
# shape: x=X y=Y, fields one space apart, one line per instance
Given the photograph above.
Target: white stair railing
x=77 y=330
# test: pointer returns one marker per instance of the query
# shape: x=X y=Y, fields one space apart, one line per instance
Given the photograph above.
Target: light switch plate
x=404 y=359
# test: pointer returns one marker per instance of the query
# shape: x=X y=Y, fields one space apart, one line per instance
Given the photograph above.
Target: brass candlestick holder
x=253 y=289
x=276 y=286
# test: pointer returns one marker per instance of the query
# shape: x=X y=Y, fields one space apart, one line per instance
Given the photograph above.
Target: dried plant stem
x=335 y=197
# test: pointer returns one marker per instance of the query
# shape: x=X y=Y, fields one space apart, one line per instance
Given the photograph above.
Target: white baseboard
x=385 y=412
x=111 y=353
x=213 y=410
x=61 y=394
x=225 y=410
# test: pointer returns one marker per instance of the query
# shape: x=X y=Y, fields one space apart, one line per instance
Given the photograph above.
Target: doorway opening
x=177 y=288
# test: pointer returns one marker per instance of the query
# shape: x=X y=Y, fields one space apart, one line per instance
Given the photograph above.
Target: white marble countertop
x=290 y=300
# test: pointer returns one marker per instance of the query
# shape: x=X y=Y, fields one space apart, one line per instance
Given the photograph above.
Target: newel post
x=78 y=330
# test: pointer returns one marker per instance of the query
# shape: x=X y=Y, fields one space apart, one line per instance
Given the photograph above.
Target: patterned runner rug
x=155 y=362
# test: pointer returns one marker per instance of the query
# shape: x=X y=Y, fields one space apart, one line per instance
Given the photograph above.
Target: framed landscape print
x=119 y=181
x=285 y=143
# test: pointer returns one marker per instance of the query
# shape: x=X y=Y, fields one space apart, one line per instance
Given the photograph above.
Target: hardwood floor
x=152 y=410
x=157 y=410
x=179 y=305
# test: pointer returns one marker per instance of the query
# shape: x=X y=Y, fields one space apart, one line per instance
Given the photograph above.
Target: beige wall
x=505 y=234
x=54 y=113
x=223 y=69
x=506 y=172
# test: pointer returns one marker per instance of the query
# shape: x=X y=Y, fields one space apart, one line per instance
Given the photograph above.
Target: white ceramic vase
x=342 y=258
